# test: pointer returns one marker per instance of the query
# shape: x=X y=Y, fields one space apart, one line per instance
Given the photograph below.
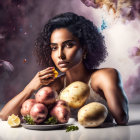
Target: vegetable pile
x=90 y=115
x=45 y=108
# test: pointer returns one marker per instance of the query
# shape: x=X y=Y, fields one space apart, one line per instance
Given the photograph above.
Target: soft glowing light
x=127 y=9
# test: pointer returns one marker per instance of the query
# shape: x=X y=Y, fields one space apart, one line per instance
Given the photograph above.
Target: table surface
x=106 y=132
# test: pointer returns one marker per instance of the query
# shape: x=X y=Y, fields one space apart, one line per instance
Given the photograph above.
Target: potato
x=39 y=113
x=46 y=95
x=75 y=94
x=61 y=111
x=92 y=114
x=26 y=107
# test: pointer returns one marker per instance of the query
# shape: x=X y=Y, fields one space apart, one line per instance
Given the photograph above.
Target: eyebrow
x=62 y=42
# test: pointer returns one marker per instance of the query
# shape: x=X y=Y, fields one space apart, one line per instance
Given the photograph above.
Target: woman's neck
x=77 y=73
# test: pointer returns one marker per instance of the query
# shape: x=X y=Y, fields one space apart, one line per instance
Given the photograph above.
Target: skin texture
x=106 y=82
x=60 y=47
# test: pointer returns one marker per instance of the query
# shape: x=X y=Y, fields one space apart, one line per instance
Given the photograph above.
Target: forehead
x=60 y=35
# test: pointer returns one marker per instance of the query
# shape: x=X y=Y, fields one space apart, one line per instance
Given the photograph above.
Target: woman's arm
x=14 y=105
x=109 y=82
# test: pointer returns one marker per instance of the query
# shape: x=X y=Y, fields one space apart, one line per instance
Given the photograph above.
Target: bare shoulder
x=57 y=84
x=105 y=72
x=104 y=77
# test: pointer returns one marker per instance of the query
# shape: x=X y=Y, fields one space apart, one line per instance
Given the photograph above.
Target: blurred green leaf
x=51 y=120
x=71 y=128
x=28 y=119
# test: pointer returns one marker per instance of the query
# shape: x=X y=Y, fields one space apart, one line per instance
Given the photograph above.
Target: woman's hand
x=43 y=77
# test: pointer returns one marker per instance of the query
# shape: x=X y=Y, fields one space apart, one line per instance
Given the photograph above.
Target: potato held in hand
x=75 y=94
x=46 y=95
x=39 y=113
x=26 y=107
x=61 y=111
x=92 y=114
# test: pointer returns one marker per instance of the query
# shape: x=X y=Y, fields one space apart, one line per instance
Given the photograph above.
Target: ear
x=84 y=50
x=84 y=53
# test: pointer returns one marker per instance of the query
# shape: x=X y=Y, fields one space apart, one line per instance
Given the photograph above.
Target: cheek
x=54 y=57
x=76 y=56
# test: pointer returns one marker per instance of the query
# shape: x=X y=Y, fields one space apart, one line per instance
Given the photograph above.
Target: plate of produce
x=45 y=111
x=49 y=123
x=45 y=127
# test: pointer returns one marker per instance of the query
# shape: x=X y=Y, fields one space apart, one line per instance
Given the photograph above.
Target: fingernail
x=52 y=80
x=50 y=67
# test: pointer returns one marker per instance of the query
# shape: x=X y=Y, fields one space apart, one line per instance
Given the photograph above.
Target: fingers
x=46 y=82
x=47 y=76
x=49 y=68
x=46 y=71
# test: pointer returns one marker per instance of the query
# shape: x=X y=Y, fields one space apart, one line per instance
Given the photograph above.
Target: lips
x=62 y=64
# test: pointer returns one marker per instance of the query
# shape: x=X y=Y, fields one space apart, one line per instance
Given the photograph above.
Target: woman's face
x=66 y=50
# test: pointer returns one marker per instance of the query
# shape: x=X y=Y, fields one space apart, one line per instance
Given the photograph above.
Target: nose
x=61 y=54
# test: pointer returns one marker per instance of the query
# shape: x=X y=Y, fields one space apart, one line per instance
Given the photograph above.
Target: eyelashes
x=67 y=45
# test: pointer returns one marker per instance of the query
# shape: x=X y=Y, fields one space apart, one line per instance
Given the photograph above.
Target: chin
x=63 y=69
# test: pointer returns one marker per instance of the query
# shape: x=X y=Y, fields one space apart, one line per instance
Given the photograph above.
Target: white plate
x=45 y=127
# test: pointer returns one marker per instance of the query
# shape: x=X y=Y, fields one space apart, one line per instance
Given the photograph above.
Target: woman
x=73 y=45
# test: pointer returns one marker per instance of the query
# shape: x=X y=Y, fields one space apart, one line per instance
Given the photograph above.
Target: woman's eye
x=53 y=48
x=69 y=45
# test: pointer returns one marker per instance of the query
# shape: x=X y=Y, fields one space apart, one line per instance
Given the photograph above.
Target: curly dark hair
x=89 y=37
